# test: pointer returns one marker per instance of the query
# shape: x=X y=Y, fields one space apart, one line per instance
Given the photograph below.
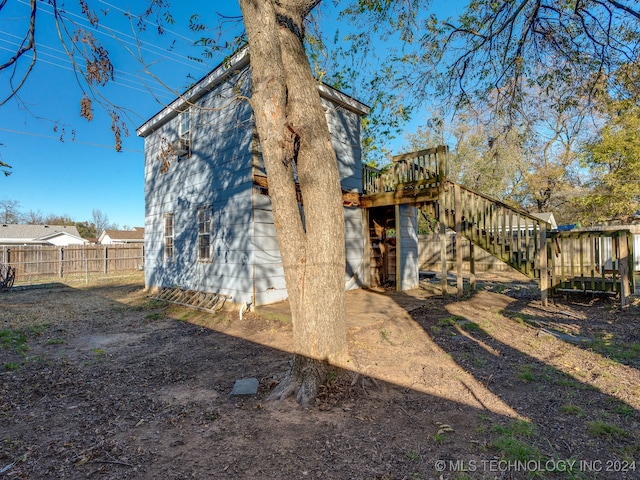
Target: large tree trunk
x=294 y=135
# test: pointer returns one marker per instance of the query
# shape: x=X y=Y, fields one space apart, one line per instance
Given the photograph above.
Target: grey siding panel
x=264 y=229
x=270 y=296
x=263 y=256
x=270 y=286
x=354 y=244
x=409 y=259
x=245 y=263
x=270 y=282
x=344 y=126
x=261 y=201
x=217 y=175
x=266 y=244
x=261 y=215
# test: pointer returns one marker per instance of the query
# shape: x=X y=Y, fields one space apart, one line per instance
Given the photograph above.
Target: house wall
x=344 y=126
x=246 y=263
x=106 y=240
x=63 y=240
x=218 y=175
x=409 y=258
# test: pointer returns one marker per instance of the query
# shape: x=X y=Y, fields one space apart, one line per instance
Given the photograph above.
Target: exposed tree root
x=303 y=380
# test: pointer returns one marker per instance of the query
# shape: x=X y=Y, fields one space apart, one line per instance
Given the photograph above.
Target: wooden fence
x=34 y=262
x=600 y=260
x=593 y=261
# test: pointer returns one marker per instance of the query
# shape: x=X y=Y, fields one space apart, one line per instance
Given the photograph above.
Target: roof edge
x=236 y=62
x=342 y=99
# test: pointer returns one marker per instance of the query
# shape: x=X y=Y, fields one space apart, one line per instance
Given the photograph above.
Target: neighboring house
x=111 y=237
x=57 y=235
x=208 y=220
x=549 y=218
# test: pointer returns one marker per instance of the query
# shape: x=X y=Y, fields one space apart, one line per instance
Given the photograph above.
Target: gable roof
x=20 y=234
x=237 y=62
x=547 y=217
x=124 y=235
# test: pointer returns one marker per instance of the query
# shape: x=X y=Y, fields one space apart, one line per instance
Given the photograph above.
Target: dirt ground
x=100 y=381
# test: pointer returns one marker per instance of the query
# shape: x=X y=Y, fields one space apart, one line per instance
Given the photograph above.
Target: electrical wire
x=80 y=142
x=155 y=90
x=137 y=43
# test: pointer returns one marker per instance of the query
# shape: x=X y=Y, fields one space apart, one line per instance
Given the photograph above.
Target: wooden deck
x=419 y=178
x=559 y=261
x=518 y=238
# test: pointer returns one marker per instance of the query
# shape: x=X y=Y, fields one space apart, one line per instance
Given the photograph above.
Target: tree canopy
x=503 y=50
x=529 y=76
x=613 y=160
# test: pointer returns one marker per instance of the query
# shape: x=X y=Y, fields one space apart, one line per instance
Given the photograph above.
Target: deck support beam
x=544 y=272
x=458 y=226
x=472 y=266
x=443 y=243
x=625 y=281
x=399 y=263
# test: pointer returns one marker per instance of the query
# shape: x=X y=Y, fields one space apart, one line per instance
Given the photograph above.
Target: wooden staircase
x=508 y=233
x=419 y=178
x=559 y=260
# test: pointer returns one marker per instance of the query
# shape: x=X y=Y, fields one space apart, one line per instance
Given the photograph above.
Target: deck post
x=458 y=225
x=366 y=257
x=623 y=259
x=398 y=249
x=443 y=241
x=472 y=266
x=544 y=273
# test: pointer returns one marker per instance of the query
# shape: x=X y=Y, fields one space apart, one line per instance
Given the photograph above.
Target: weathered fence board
x=36 y=261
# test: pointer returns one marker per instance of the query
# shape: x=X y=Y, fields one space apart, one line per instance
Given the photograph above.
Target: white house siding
x=269 y=276
x=344 y=126
x=63 y=240
x=218 y=175
x=246 y=263
x=355 y=245
x=409 y=258
x=106 y=240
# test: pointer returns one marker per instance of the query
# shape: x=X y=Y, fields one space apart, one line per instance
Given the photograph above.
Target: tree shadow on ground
x=582 y=405
x=115 y=384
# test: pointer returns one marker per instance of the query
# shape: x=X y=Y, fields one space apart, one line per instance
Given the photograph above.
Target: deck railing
x=508 y=233
x=592 y=261
x=416 y=169
x=370 y=177
x=573 y=260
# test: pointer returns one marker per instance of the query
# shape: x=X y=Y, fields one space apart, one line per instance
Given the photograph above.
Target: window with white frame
x=168 y=236
x=204 y=234
x=183 y=147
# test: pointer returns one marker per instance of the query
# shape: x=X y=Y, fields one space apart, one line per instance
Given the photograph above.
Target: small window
x=168 y=236
x=183 y=146
x=185 y=123
x=204 y=234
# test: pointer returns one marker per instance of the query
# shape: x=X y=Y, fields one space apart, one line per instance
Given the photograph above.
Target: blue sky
x=57 y=172
x=83 y=172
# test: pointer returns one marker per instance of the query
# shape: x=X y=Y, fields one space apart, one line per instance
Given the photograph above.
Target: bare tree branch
x=28 y=45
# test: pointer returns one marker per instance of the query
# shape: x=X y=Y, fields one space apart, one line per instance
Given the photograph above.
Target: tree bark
x=294 y=136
